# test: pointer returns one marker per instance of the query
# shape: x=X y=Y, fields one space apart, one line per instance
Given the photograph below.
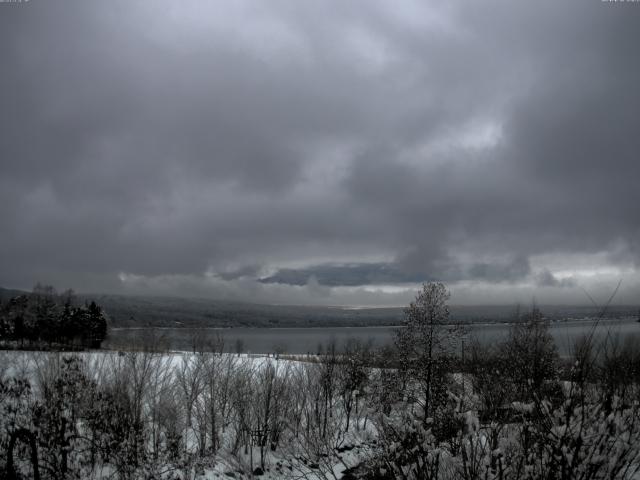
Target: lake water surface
x=307 y=340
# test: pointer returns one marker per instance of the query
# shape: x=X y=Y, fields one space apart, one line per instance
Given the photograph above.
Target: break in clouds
x=322 y=152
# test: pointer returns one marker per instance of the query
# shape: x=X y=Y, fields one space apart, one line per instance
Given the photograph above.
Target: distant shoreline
x=324 y=327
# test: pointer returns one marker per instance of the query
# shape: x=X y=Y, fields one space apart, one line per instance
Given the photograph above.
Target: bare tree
x=353 y=376
x=189 y=377
x=422 y=345
x=530 y=356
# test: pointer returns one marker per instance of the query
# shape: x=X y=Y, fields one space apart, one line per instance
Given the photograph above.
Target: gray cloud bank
x=313 y=152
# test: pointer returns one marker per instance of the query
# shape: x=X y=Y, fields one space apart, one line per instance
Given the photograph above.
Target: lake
x=301 y=340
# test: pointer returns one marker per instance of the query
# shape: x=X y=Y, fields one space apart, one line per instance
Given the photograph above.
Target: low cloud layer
x=321 y=153
x=355 y=274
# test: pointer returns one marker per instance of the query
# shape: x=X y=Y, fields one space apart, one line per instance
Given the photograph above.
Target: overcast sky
x=322 y=152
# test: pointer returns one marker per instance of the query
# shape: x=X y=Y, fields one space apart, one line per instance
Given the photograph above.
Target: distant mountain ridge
x=152 y=311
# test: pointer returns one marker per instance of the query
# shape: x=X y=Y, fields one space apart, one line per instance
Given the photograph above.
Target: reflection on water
x=307 y=340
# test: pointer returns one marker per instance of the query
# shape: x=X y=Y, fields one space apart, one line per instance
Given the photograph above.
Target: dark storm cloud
x=391 y=273
x=516 y=269
x=546 y=279
x=344 y=275
x=250 y=271
x=355 y=144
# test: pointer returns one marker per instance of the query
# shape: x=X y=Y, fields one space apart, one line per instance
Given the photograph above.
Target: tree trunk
x=30 y=438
